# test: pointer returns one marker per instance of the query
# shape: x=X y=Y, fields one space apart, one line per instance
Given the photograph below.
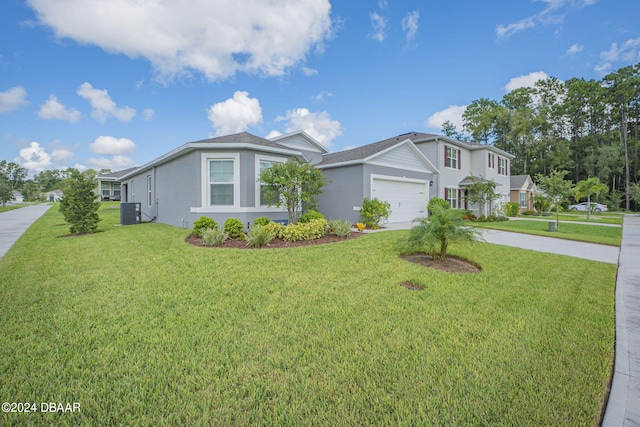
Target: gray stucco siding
x=344 y=191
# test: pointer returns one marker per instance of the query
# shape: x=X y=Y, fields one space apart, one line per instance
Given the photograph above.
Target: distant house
x=109 y=186
x=53 y=196
x=17 y=197
x=522 y=190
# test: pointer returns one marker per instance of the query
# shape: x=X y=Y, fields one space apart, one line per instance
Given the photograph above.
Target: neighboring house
x=393 y=170
x=219 y=177
x=17 y=197
x=462 y=163
x=522 y=190
x=53 y=196
x=109 y=186
x=216 y=177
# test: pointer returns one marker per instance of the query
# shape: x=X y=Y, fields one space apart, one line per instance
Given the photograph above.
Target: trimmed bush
x=314 y=229
x=260 y=235
x=527 y=213
x=214 y=237
x=234 y=228
x=513 y=208
x=309 y=215
x=203 y=223
x=437 y=201
x=340 y=228
x=374 y=211
x=274 y=227
x=261 y=220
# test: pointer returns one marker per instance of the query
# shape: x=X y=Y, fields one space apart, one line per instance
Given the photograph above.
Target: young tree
x=442 y=228
x=481 y=193
x=6 y=194
x=80 y=203
x=587 y=188
x=13 y=174
x=556 y=187
x=291 y=184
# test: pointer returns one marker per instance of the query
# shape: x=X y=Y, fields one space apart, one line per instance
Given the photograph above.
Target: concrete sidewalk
x=15 y=222
x=623 y=407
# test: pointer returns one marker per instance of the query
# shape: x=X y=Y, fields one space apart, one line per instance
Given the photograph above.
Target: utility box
x=130 y=213
x=552 y=226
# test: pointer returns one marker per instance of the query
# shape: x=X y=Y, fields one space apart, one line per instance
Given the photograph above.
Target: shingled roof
x=241 y=138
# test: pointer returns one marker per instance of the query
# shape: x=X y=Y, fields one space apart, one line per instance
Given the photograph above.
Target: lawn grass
x=602 y=218
x=10 y=207
x=569 y=231
x=141 y=328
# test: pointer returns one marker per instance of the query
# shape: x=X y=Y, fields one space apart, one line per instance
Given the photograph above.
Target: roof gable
x=299 y=140
x=392 y=152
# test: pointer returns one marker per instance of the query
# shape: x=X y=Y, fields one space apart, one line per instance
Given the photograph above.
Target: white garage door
x=408 y=199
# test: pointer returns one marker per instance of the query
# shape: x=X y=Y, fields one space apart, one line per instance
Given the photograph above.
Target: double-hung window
x=221 y=182
x=451 y=196
x=451 y=157
x=149 y=198
x=523 y=199
x=502 y=166
x=264 y=200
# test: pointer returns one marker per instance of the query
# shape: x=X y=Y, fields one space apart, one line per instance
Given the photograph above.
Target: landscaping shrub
x=214 y=237
x=261 y=220
x=340 y=228
x=273 y=227
x=309 y=215
x=234 y=228
x=202 y=223
x=513 y=208
x=79 y=205
x=260 y=235
x=470 y=217
x=527 y=213
x=314 y=229
x=374 y=211
x=437 y=201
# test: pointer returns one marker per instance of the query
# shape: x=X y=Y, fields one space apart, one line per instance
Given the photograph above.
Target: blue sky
x=95 y=84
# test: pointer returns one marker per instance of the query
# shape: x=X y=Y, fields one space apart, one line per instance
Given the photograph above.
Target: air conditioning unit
x=130 y=213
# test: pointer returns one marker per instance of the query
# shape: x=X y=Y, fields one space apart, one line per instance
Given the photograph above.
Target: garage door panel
x=408 y=199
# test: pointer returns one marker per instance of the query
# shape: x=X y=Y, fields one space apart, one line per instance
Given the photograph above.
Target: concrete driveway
x=15 y=222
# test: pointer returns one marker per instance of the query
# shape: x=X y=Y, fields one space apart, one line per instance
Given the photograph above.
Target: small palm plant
x=442 y=228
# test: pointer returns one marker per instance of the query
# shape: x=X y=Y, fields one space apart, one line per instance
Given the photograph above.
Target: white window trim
x=458 y=154
x=204 y=181
x=523 y=193
x=149 y=201
x=272 y=159
x=455 y=191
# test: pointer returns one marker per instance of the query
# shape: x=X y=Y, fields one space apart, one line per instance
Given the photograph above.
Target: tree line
x=589 y=128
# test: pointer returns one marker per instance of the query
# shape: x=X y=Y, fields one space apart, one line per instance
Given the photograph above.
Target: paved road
x=15 y=222
x=623 y=408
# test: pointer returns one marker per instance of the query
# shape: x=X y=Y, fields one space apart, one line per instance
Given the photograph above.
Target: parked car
x=595 y=207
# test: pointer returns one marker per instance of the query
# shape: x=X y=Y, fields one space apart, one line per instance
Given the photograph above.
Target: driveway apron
x=15 y=222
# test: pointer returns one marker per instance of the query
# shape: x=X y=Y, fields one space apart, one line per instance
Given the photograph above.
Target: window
x=502 y=166
x=106 y=188
x=492 y=160
x=523 y=199
x=116 y=189
x=451 y=196
x=264 y=201
x=221 y=182
x=451 y=157
x=149 y=190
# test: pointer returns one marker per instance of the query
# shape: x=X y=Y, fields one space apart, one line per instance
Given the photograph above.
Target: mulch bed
x=275 y=243
x=451 y=264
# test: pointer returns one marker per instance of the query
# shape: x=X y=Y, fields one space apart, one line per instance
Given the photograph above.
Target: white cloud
x=35 y=157
x=410 y=24
x=309 y=71
x=273 y=134
x=322 y=95
x=148 y=114
x=102 y=104
x=111 y=146
x=575 y=49
x=53 y=109
x=527 y=80
x=453 y=114
x=214 y=37
x=235 y=114
x=61 y=155
x=319 y=125
x=554 y=13
x=379 y=24
x=12 y=99
x=628 y=52
x=113 y=163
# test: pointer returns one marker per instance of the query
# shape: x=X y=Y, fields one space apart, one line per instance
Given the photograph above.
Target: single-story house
x=17 y=197
x=109 y=187
x=522 y=190
x=219 y=177
x=53 y=196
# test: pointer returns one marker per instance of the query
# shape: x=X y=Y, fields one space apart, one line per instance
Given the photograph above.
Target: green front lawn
x=141 y=328
x=580 y=232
